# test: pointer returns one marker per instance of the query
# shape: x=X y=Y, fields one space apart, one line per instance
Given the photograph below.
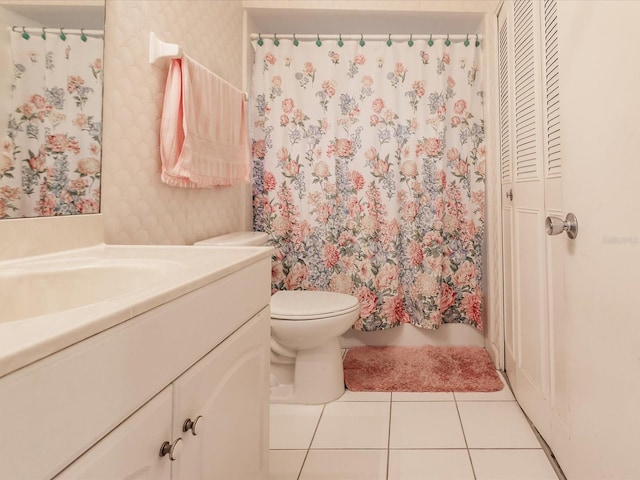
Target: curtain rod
x=72 y=31
x=397 y=37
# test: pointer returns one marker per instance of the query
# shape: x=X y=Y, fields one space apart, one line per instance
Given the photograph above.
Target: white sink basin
x=50 y=302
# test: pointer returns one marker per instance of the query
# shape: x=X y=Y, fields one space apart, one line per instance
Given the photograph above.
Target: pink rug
x=420 y=369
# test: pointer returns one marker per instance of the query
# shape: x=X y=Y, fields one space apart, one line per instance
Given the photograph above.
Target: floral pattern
x=50 y=162
x=369 y=166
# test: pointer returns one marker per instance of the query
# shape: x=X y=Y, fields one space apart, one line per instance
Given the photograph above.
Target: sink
x=46 y=287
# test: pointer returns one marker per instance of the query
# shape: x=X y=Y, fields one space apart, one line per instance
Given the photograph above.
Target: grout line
x=311 y=442
x=389 y=434
x=464 y=435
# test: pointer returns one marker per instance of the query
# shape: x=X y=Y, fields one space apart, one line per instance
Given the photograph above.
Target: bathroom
x=599 y=341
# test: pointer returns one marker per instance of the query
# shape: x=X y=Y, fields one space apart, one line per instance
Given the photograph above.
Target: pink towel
x=203 y=132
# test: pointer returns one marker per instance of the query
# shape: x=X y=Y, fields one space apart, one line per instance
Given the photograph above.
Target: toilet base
x=318 y=376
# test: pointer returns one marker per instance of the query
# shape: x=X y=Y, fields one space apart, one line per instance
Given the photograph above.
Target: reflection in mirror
x=50 y=108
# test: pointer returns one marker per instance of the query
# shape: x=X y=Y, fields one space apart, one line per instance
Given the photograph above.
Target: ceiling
x=61 y=16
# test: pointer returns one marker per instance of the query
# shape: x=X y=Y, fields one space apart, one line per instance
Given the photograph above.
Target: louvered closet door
x=523 y=173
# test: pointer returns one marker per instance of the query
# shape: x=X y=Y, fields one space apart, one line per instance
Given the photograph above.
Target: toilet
x=306 y=359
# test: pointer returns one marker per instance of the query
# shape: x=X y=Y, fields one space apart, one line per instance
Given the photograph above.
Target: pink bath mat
x=420 y=369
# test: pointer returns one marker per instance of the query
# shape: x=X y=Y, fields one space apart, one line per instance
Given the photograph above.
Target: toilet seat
x=310 y=304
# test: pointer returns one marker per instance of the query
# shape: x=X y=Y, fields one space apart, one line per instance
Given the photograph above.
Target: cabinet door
x=229 y=390
x=131 y=451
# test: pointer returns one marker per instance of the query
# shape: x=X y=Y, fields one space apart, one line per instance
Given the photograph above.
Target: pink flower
x=460 y=106
x=453 y=154
x=356 y=179
x=409 y=168
x=291 y=168
x=10 y=193
x=88 y=205
x=447 y=297
x=387 y=276
x=308 y=68
x=73 y=82
x=6 y=162
x=297 y=277
x=88 y=166
x=276 y=81
x=455 y=121
x=341 y=283
x=321 y=169
x=258 y=149
x=269 y=181
x=451 y=82
x=81 y=121
x=409 y=211
x=430 y=147
x=359 y=60
x=371 y=154
x=368 y=301
x=270 y=58
x=323 y=212
x=26 y=109
x=378 y=105
x=446 y=59
x=277 y=273
x=380 y=168
x=57 y=142
x=393 y=310
x=374 y=120
x=389 y=115
x=284 y=120
x=425 y=285
x=367 y=81
x=3 y=208
x=329 y=88
x=416 y=255
x=97 y=64
x=425 y=57
x=461 y=167
x=280 y=226
x=282 y=154
x=472 y=306
x=331 y=255
x=418 y=87
x=287 y=105
x=344 y=147
x=466 y=275
x=400 y=68
x=38 y=100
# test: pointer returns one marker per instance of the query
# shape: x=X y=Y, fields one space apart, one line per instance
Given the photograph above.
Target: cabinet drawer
x=55 y=409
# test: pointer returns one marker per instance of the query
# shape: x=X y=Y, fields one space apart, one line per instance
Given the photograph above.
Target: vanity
x=148 y=362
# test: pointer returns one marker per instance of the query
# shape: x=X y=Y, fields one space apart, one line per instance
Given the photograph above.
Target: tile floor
x=402 y=436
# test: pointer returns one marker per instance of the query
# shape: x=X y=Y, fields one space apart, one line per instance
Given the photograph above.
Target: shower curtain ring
x=25 y=35
x=361 y=40
x=260 y=42
x=447 y=42
x=466 y=42
x=430 y=42
x=63 y=37
x=83 y=37
x=318 y=42
x=389 y=42
x=477 y=41
x=276 y=42
x=410 y=42
x=295 y=41
x=340 y=42
x=44 y=35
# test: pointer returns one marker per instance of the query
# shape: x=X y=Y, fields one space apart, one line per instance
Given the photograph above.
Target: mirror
x=50 y=107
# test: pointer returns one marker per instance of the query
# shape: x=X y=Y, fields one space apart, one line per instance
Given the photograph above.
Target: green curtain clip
x=44 y=35
x=318 y=42
x=276 y=42
x=447 y=42
x=83 y=37
x=477 y=41
x=410 y=42
x=389 y=42
x=430 y=42
x=466 y=42
x=361 y=40
x=260 y=41
x=295 y=41
x=63 y=37
x=25 y=35
x=340 y=42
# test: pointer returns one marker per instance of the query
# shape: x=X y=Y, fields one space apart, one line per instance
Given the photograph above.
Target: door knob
x=555 y=225
x=171 y=449
x=193 y=425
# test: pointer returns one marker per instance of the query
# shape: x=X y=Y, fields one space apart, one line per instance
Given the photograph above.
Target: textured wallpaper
x=138 y=208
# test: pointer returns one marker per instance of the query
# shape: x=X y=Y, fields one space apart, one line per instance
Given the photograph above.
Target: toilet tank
x=236 y=239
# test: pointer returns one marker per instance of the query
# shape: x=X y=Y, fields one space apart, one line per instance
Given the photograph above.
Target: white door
x=523 y=184
x=132 y=450
x=229 y=390
x=600 y=75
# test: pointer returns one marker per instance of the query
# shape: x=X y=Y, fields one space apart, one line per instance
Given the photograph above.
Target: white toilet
x=306 y=360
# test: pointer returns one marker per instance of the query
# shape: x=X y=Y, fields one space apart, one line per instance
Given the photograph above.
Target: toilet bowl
x=306 y=359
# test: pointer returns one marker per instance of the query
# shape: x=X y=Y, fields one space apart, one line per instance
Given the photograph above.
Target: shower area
x=369 y=144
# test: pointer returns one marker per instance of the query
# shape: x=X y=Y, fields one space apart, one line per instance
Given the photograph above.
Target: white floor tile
x=285 y=464
x=353 y=425
x=512 y=465
x=422 y=396
x=350 y=396
x=430 y=465
x=345 y=465
x=425 y=425
x=496 y=425
x=501 y=395
x=292 y=426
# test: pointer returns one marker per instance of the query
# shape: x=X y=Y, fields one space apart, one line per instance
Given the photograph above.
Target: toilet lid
x=306 y=305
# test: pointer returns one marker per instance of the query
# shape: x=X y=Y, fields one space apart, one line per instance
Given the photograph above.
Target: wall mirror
x=50 y=107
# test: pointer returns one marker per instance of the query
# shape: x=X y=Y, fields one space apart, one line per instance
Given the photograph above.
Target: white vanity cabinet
x=101 y=408
x=221 y=402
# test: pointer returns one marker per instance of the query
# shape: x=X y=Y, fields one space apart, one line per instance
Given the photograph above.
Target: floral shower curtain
x=50 y=161
x=369 y=168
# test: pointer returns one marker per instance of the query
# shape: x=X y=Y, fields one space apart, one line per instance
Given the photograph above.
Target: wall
x=137 y=208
